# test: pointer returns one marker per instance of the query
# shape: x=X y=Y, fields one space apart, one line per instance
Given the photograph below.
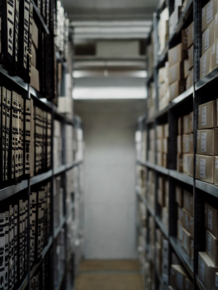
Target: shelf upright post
x=28 y=216
x=198 y=196
x=52 y=202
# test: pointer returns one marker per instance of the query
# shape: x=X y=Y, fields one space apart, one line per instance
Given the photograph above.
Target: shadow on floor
x=109 y=275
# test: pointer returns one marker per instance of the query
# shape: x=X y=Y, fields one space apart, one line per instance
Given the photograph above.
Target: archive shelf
x=183 y=104
x=26 y=185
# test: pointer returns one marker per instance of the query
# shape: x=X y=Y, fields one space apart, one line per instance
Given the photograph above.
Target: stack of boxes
x=151 y=101
x=185 y=223
x=163 y=93
x=185 y=144
x=141 y=180
x=141 y=145
x=163 y=29
x=151 y=189
x=162 y=134
x=179 y=6
x=69 y=144
x=161 y=255
x=163 y=199
x=34 y=48
x=150 y=55
x=176 y=57
x=151 y=151
x=59 y=258
x=150 y=267
x=58 y=202
x=57 y=141
x=207 y=141
x=209 y=27
x=208 y=261
x=78 y=142
x=179 y=279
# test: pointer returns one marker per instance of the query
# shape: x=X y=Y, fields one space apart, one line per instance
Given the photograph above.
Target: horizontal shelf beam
x=11 y=190
x=207 y=79
x=58 y=229
x=183 y=256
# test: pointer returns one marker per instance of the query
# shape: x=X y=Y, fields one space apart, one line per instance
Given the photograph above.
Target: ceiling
x=110 y=9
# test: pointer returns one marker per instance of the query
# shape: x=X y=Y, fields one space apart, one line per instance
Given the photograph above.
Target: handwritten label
x=210 y=12
x=204 y=116
x=202 y=168
x=206 y=40
x=204 y=142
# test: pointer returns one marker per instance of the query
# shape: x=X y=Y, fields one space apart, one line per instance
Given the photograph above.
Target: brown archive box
x=191 y=122
x=188 y=222
x=189 y=80
x=205 y=168
x=176 y=54
x=186 y=68
x=179 y=197
x=178 y=277
x=190 y=58
x=185 y=143
x=176 y=89
x=205 y=63
x=186 y=241
x=207 y=115
x=179 y=144
x=188 y=202
x=176 y=72
x=190 y=33
x=186 y=124
x=206 y=270
x=212 y=247
x=207 y=141
x=208 y=37
x=214 y=55
x=211 y=219
x=208 y=14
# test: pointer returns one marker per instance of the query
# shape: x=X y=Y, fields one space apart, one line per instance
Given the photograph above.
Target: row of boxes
x=185 y=219
x=163 y=199
x=208 y=261
x=162 y=136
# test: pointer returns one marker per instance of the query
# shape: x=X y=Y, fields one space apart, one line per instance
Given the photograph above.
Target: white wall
x=109 y=128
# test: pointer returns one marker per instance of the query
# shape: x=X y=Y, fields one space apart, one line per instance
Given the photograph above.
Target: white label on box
x=206 y=40
x=209 y=12
x=179 y=280
x=209 y=240
x=216 y=281
x=198 y=136
x=202 y=168
x=216 y=163
x=204 y=65
x=201 y=270
x=204 y=142
x=210 y=218
x=203 y=12
x=204 y=116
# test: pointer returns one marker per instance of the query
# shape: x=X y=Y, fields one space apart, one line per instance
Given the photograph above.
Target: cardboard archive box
x=207 y=141
x=205 y=168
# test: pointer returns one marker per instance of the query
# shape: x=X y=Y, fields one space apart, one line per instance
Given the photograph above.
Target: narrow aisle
x=109 y=275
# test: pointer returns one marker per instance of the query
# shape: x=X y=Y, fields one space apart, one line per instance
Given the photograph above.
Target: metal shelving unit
x=26 y=185
x=190 y=99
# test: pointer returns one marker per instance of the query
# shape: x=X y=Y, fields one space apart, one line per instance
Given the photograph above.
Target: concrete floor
x=109 y=275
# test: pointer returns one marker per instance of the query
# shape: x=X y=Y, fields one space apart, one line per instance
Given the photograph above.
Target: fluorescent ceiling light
x=109 y=93
x=111 y=36
x=111 y=23
x=109 y=73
